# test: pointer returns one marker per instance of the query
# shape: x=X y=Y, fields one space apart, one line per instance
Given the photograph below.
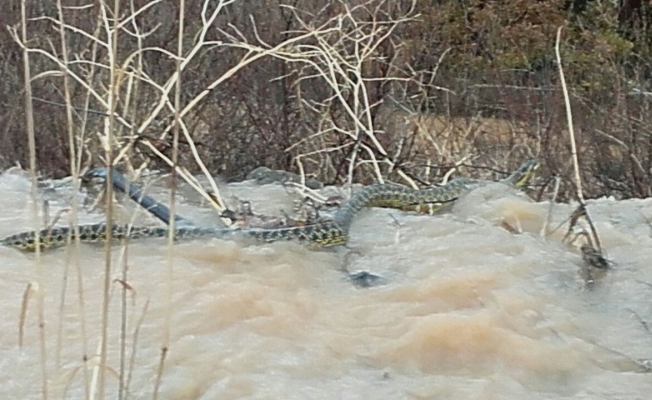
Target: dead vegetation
x=422 y=88
x=410 y=91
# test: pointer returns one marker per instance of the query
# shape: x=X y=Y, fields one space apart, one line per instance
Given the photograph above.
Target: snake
x=329 y=233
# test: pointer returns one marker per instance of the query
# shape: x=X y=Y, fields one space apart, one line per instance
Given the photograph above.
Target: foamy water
x=468 y=311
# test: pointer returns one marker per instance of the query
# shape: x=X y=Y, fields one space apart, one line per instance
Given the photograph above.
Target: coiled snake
x=322 y=234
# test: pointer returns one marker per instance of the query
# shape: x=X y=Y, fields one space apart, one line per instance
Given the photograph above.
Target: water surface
x=469 y=310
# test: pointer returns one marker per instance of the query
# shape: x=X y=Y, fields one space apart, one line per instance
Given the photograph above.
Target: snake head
x=522 y=175
x=229 y=214
x=101 y=173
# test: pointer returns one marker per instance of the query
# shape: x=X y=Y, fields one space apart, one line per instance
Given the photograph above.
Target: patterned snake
x=323 y=234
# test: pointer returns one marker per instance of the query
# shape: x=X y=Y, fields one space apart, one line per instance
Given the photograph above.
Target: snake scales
x=323 y=234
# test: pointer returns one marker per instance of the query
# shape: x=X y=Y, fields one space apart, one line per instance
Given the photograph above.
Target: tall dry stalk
x=571 y=131
x=569 y=120
x=170 y=256
x=112 y=36
x=74 y=171
x=131 y=107
x=29 y=115
x=80 y=141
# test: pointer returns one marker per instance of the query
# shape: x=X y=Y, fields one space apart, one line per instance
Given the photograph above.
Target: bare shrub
x=452 y=61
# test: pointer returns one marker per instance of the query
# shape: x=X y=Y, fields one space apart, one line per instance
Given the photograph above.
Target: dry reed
x=29 y=115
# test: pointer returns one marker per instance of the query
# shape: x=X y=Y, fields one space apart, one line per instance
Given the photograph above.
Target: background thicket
x=444 y=82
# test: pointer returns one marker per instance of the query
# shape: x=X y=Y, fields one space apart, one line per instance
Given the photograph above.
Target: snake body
x=322 y=234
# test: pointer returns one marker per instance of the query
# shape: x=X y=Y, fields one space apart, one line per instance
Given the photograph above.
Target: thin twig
x=134 y=347
x=27 y=294
x=191 y=180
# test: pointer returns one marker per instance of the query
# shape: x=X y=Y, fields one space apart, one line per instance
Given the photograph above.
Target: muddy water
x=469 y=310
